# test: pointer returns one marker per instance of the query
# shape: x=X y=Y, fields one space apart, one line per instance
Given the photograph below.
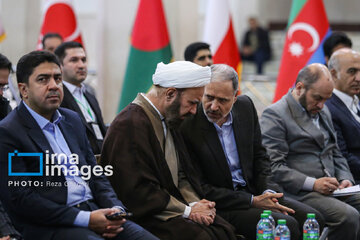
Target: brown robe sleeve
x=140 y=177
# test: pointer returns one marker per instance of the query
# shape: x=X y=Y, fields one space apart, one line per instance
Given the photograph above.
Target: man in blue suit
x=73 y=202
x=344 y=66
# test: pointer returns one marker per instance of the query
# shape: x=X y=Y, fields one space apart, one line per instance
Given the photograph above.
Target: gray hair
x=334 y=63
x=223 y=72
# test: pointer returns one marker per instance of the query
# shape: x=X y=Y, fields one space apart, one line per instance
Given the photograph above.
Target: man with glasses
x=5 y=69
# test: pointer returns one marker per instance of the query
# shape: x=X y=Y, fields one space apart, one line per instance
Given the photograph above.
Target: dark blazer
x=5 y=107
x=38 y=210
x=348 y=133
x=142 y=178
x=206 y=151
x=263 y=42
x=70 y=103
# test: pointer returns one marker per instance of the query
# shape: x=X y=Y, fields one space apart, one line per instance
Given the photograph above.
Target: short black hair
x=30 y=61
x=335 y=39
x=192 y=49
x=51 y=35
x=61 y=49
x=5 y=63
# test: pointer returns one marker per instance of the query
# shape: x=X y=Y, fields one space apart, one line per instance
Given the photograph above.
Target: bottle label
x=282 y=238
x=264 y=234
x=310 y=234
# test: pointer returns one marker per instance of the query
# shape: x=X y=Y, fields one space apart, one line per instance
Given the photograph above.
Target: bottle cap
x=311 y=215
x=267 y=211
x=264 y=215
x=282 y=221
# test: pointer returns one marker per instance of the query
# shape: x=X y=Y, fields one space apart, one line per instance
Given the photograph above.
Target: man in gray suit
x=305 y=159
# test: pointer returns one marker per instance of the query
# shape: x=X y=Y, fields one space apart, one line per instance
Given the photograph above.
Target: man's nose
x=193 y=109
x=214 y=106
x=53 y=84
x=320 y=105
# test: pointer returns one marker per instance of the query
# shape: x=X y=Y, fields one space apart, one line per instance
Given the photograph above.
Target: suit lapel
x=211 y=138
x=304 y=121
x=92 y=102
x=242 y=149
x=70 y=100
x=71 y=139
x=344 y=109
x=34 y=130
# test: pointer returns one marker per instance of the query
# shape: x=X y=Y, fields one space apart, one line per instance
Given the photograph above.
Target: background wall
x=106 y=27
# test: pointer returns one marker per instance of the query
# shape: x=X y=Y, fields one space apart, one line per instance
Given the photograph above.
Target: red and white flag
x=219 y=33
x=59 y=17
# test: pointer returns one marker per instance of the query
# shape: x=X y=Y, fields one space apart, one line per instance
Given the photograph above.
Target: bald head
x=313 y=87
x=344 y=66
x=312 y=73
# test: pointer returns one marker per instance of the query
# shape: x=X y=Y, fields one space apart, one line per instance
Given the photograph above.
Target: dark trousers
x=131 y=230
x=259 y=58
x=245 y=220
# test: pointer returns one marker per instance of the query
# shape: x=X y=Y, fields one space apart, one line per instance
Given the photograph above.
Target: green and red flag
x=308 y=27
x=150 y=45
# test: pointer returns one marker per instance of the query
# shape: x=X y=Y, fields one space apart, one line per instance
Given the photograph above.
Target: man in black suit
x=5 y=70
x=344 y=66
x=49 y=181
x=224 y=141
x=73 y=59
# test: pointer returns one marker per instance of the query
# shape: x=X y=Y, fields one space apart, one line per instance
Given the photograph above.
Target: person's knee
x=134 y=231
x=351 y=217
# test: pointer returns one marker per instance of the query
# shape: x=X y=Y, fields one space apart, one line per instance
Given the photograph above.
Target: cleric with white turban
x=181 y=74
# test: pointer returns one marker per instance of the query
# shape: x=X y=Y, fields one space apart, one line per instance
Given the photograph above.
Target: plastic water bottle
x=311 y=229
x=282 y=232
x=264 y=229
x=272 y=220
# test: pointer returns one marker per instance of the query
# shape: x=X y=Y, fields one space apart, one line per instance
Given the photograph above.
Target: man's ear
x=170 y=93
x=334 y=74
x=23 y=89
x=299 y=88
x=237 y=93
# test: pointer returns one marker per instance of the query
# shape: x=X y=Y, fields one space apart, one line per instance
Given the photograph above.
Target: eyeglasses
x=4 y=87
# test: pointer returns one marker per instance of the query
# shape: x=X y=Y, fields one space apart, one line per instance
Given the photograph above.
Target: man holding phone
x=49 y=206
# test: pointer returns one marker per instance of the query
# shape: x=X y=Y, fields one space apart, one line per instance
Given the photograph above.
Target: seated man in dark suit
x=77 y=97
x=335 y=41
x=344 y=66
x=256 y=45
x=224 y=141
x=66 y=196
x=5 y=70
x=7 y=230
x=199 y=53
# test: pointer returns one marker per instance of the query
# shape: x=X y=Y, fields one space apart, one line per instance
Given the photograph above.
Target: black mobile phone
x=119 y=215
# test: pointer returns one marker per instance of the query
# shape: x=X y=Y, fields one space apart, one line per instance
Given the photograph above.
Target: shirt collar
x=228 y=122
x=161 y=116
x=41 y=121
x=347 y=100
x=73 y=88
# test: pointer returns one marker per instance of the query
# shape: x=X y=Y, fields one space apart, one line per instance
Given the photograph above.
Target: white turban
x=181 y=74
